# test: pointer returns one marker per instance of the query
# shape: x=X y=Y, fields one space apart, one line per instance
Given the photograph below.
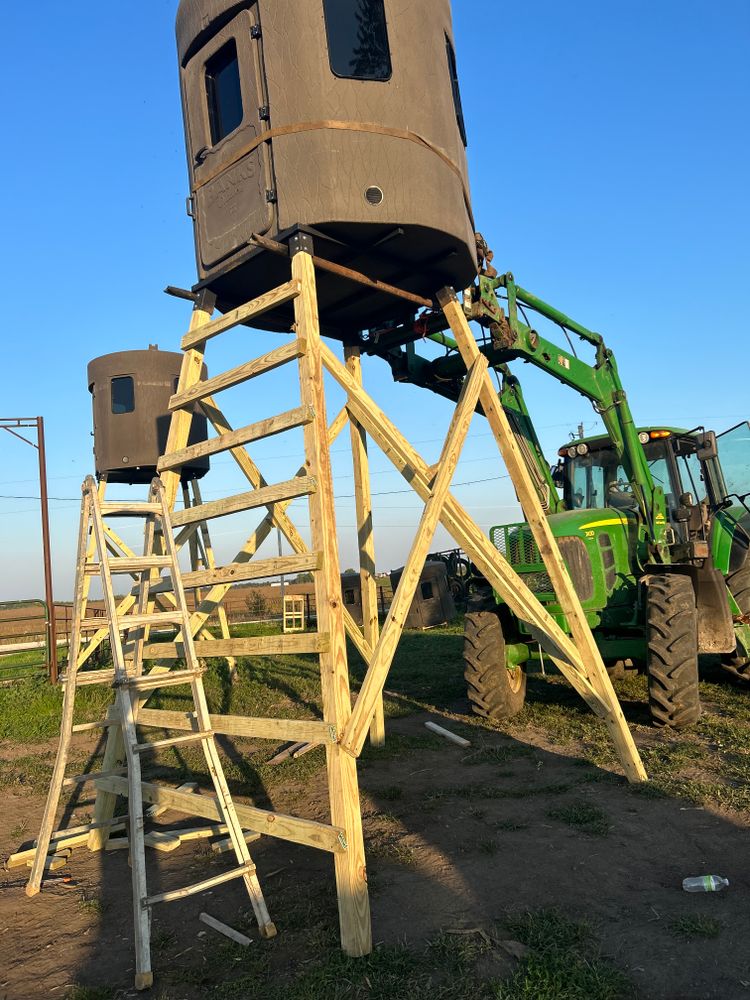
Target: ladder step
x=87 y=727
x=192 y=890
x=81 y=779
x=86 y=677
x=138 y=564
x=174 y=741
x=276 y=297
x=135 y=621
x=254 y=569
x=298 y=487
x=234 y=439
x=235 y=376
x=113 y=508
x=152 y=681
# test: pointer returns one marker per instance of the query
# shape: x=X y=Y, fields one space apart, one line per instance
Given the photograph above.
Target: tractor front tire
x=494 y=690
x=672 y=663
x=737 y=664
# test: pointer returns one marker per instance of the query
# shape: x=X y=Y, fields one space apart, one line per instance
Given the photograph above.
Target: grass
x=583 y=816
x=689 y=928
x=562 y=962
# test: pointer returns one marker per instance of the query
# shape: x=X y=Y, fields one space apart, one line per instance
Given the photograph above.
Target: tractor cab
x=682 y=463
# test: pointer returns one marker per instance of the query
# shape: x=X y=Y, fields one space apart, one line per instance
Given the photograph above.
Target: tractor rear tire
x=672 y=663
x=494 y=691
x=737 y=664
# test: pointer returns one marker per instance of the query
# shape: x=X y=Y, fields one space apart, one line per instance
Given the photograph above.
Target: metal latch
x=264 y=113
x=190 y=206
x=255 y=31
x=271 y=196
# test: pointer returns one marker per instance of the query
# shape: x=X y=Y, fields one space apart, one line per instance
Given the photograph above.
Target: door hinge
x=271 y=196
x=190 y=206
x=264 y=113
x=255 y=31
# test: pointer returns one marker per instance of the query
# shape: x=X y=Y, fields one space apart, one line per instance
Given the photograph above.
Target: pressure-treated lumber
x=250 y=310
x=254 y=645
x=300 y=730
x=343 y=788
x=467 y=533
x=291 y=828
x=354 y=734
x=257 y=569
x=245 y=870
x=366 y=541
x=244 y=435
x=570 y=603
x=224 y=929
x=300 y=486
x=235 y=376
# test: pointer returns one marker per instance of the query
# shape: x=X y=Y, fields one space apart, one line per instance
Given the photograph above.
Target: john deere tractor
x=652 y=522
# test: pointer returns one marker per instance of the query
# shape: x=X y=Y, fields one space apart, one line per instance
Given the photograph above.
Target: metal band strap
x=370 y=127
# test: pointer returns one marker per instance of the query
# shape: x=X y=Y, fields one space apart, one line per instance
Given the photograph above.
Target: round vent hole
x=374 y=195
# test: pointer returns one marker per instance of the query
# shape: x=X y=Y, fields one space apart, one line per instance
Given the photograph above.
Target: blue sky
x=608 y=146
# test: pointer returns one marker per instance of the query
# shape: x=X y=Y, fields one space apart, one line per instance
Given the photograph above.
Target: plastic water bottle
x=705 y=883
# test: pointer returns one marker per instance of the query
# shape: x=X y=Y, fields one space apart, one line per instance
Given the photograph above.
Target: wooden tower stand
x=343 y=727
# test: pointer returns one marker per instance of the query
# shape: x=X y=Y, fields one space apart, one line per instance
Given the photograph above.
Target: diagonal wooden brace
x=353 y=737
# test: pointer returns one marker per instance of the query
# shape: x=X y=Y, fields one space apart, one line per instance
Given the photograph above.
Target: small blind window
x=358 y=46
x=223 y=92
x=123 y=394
x=453 y=70
x=426 y=590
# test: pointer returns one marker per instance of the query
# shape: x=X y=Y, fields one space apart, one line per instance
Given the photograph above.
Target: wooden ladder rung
x=152 y=681
x=300 y=486
x=135 y=621
x=173 y=741
x=138 y=564
x=87 y=727
x=235 y=376
x=81 y=779
x=86 y=677
x=114 y=508
x=192 y=890
x=235 y=439
x=256 y=307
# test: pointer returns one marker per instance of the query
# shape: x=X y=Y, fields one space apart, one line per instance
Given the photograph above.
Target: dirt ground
x=456 y=839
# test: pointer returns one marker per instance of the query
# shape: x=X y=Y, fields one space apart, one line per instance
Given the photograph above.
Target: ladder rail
x=66 y=723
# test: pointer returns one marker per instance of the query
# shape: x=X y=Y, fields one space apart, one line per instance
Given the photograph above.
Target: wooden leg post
x=351 y=875
x=366 y=540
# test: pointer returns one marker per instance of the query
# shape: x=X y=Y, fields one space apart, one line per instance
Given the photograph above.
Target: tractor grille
x=517 y=544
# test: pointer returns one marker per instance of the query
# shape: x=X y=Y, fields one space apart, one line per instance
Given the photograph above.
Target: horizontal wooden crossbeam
x=250 y=310
x=255 y=645
x=278 y=730
x=300 y=486
x=235 y=376
x=299 y=831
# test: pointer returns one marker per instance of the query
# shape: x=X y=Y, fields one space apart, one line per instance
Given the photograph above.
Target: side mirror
x=708 y=448
x=558 y=475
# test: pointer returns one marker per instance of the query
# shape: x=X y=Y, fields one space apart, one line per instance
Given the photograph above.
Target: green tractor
x=653 y=522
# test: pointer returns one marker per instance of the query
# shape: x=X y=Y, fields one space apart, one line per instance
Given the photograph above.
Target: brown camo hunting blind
x=130 y=393
x=367 y=146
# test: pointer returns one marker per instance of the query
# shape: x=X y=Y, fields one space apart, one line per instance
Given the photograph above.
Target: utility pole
x=12 y=425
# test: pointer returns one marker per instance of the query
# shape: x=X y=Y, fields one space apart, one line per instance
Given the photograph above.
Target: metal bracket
x=256 y=31
x=190 y=206
x=300 y=243
x=334 y=736
x=271 y=196
x=264 y=113
x=342 y=841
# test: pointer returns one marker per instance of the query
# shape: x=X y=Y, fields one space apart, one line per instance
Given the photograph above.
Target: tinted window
x=426 y=589
x=453 y=70
x=358 y=39
x=123 y=394
x=223 y=92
